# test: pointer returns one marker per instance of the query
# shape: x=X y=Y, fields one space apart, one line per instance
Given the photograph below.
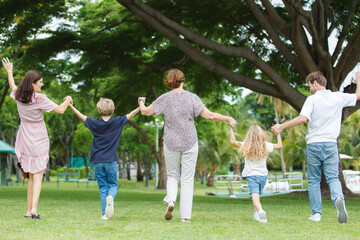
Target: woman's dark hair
x=25 y=90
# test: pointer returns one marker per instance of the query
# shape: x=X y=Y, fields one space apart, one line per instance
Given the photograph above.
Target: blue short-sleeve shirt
x=106 y=138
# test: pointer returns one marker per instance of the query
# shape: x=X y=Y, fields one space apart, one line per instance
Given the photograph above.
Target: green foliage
x=349 y=142
x=53 y=173
x=70 y=170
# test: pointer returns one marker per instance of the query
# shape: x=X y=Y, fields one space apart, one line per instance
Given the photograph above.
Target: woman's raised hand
x=7 y=65
x=141 y=99
x=68 y=97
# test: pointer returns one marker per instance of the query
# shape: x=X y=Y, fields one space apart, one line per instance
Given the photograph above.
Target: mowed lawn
x=71 y=212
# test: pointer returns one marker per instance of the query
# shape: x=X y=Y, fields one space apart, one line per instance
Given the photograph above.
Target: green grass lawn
x=71 y=212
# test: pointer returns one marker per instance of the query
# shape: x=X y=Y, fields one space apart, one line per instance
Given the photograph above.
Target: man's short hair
x=105 y=106
x=318 y=77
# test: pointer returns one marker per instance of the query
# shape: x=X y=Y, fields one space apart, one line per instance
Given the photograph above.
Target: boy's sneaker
x=169 y=209
x=262 y=216
x=315 y=217
x=342 y=215
x=104 y=218
x=109 y=210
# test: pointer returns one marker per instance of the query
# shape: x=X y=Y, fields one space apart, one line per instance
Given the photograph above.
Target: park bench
x=91 y=177
x=68 y=177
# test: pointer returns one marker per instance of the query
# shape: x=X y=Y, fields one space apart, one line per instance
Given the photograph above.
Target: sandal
x=35 y=217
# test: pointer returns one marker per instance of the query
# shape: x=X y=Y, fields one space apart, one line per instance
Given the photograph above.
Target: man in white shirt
x=323 y=110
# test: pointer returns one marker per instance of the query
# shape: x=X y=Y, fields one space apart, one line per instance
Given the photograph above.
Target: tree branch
x=147 y=140
x=286 y=93
x=284 y=27
x=4 y=95
x=349 y=58
x=344 y=31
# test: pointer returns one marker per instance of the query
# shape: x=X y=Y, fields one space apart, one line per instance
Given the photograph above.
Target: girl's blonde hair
x=254 y=146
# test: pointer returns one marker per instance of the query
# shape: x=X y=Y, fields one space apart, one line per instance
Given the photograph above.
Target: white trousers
x=184 y=175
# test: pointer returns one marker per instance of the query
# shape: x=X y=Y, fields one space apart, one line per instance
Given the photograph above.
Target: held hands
x=141 y=99
x=357 y=78
x=232 y=122
x=277 y=129
x=7 y=65
x=70 y=98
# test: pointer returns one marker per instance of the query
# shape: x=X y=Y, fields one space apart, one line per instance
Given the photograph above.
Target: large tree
x=283 y=42
x=292 y=36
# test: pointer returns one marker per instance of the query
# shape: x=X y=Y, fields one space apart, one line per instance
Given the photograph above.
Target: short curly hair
x=318 y=77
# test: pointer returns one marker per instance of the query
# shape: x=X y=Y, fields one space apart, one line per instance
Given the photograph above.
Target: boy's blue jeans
x=106 y=176
x=326 y=155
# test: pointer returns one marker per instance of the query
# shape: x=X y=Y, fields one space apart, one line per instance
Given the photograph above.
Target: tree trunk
x=237 y=170
x=161 y=163
x=86 y=165
x=18 y=170
x=120 y=157
x=210 y=180
x=47 y=174
x=9 y=161
x=139 y=173
x=128 y=166
x=304 y=170
x=283 y=165
x=147 y=167
x=159 y=157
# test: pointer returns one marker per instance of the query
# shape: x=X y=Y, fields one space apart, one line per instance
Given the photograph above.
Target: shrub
x=53 y=172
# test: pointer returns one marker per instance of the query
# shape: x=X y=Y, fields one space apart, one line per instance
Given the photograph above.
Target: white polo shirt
x=324 y=111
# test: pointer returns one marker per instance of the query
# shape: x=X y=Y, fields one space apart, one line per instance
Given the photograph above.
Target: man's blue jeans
x=326 y=155
x=106 y=176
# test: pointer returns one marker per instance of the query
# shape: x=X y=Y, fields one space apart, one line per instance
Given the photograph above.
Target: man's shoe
x=169 y=209
x=109 y=210
x=104 y=218
x=315 y=217
x=342 y=215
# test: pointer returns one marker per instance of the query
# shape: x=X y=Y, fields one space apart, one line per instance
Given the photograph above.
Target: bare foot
x=33 y=212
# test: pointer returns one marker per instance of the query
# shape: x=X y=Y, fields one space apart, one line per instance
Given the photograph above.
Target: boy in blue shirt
x=106 y=132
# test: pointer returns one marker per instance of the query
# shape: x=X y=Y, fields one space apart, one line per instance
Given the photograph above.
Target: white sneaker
x=109 y=210
x=342 y=215
x=169 y=209
x=263 y=220
x=104 y=218
x=256 y=216
x=315 y=217
x=262 y=216
x=186 y=220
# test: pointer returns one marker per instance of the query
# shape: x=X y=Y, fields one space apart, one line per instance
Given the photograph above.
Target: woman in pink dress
x=32 y=141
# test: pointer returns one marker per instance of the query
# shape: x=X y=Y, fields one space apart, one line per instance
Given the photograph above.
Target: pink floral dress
x=32 y=141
